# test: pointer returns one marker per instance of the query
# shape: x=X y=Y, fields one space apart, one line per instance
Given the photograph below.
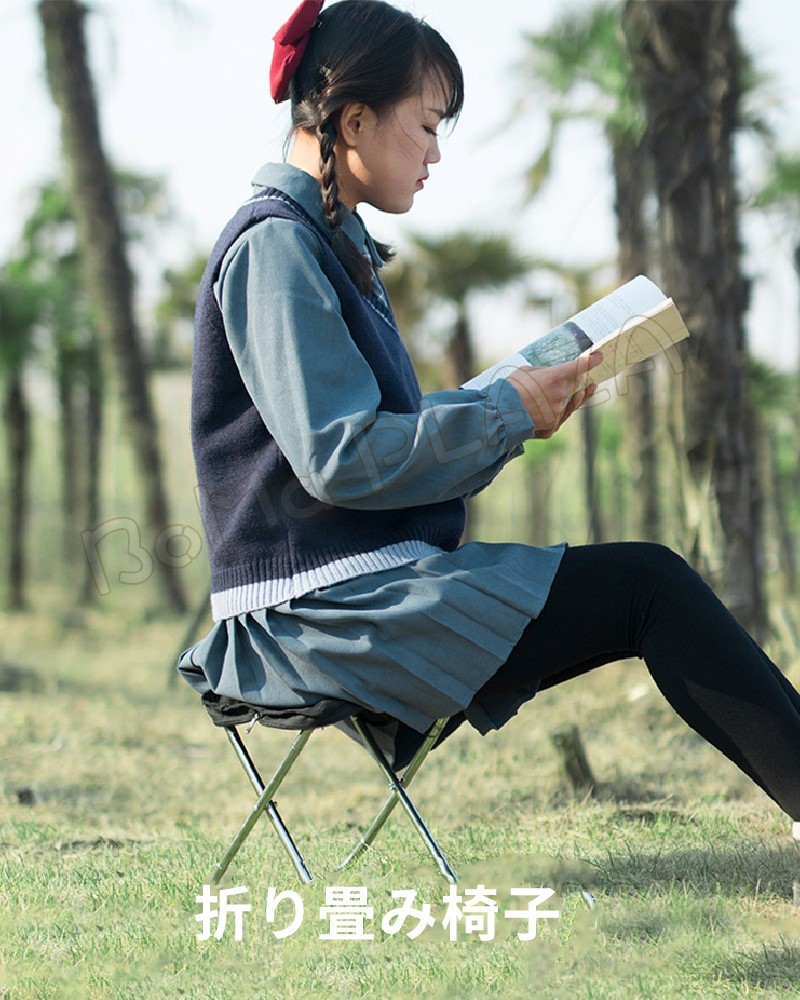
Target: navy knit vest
x=269 y=539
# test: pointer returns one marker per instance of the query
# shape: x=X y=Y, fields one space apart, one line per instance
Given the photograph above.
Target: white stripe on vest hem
x=269 y=593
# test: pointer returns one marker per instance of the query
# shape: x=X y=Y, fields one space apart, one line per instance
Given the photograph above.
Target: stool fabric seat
x=228 y=712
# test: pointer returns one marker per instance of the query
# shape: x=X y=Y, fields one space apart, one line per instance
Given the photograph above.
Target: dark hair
x=365 y=52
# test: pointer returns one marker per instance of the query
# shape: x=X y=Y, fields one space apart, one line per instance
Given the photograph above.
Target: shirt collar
x=305 y=190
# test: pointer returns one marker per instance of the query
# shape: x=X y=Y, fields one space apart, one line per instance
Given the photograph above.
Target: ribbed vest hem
x=269 y=593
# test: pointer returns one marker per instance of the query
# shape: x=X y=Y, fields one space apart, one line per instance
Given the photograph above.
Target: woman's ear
x=354 y=120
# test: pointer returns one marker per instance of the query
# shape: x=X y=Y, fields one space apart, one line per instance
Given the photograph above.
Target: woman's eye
x=431 y=131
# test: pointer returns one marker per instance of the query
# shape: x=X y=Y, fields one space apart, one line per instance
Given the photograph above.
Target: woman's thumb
x=584 y=364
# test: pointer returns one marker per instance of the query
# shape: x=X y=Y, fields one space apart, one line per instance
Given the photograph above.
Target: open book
x=629 y=325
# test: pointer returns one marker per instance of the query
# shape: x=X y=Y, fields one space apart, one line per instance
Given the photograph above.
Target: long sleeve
x=320 y=399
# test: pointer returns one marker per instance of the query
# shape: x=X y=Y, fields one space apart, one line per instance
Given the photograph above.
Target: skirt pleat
x=415 y=642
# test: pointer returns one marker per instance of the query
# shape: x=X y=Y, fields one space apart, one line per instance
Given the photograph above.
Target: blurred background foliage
x=698 y=450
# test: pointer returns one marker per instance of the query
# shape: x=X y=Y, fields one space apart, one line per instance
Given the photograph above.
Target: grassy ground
x=118 y=796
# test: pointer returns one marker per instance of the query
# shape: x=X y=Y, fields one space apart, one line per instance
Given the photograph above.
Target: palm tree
x=454 y=268
x=405 y=285
x=451 y=270
x=48 y=250
x=101 y=237
x=582 y=67
x=582 y=290
x=175 y=313
x=19 y=308
x=687 y=61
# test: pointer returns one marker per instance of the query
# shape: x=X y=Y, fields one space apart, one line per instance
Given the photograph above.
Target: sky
x=183 y=94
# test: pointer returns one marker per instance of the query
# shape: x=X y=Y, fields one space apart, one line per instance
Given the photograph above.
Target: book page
x=635 y=298
x=640 y=338
x=630 y=324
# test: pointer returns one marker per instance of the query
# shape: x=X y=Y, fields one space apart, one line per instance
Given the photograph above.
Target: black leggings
x=613 y=601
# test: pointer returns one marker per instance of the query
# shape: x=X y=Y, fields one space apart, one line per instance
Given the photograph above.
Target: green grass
x=129 y=795
x=117 y=797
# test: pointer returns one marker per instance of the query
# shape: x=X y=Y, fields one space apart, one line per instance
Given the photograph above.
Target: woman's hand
x=552 y=394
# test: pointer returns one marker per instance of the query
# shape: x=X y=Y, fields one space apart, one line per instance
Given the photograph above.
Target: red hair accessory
x=290 y=44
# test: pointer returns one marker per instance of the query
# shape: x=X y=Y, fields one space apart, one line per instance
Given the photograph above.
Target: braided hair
x=364 y=52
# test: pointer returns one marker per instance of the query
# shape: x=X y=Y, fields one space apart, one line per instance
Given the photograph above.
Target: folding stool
x=265 y=792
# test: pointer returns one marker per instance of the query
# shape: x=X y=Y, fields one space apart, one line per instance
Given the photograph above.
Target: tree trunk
x=94 y=439
x=686 y=60
x=632 y=181
x=459 y=366
x=71 y=454
x=567 y=741
x=459 y=354
x=102 y=244
x=591 y=492
x=796 y=477
x=537 y=489
x=17 y=419
x=780 y=503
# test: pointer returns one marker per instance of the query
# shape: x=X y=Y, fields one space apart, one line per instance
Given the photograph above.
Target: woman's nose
x=434 y=153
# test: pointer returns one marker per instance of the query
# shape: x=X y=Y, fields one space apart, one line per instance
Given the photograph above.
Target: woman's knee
x=662 y=556
x=632 y=555
x=643 y=563
x=619 y=568
x=662 y=569
x=660 y=561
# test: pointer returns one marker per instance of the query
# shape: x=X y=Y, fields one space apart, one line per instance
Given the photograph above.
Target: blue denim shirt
x=318 y=396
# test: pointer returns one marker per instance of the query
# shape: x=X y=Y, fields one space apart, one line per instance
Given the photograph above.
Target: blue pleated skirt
x=414 y=643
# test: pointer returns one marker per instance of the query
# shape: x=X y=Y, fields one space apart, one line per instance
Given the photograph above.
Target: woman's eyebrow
x=437 y=111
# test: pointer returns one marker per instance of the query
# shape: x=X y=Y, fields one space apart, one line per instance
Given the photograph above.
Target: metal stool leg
x=398 y=792
x=263 y=804
x=371 y=833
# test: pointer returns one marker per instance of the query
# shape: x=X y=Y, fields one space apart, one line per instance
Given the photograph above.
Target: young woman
x=333 y=491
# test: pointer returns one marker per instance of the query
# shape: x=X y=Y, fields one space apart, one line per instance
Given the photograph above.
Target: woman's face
x=384 y=158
